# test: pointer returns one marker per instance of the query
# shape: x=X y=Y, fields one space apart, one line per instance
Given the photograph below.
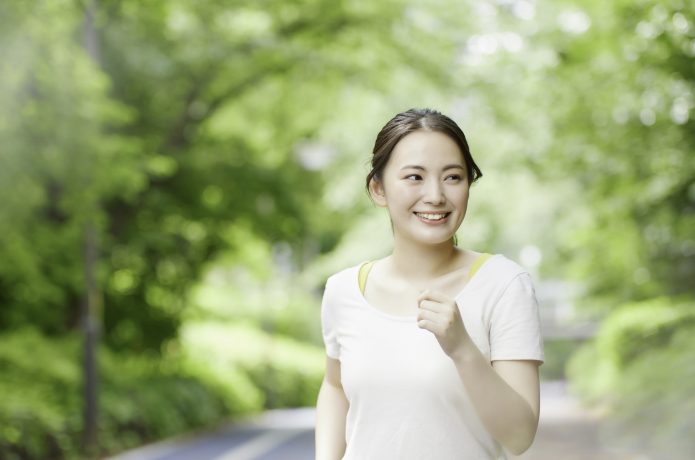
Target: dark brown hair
x=414 y=120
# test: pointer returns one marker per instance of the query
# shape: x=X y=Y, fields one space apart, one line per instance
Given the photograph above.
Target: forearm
x=507 y=416
x=331 y=412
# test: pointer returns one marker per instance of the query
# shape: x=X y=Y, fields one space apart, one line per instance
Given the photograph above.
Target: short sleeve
x=515 y=330
x=328 y=322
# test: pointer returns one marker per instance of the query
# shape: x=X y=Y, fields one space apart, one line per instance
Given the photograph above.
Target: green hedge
x=283 y=371
x=39 y=406
x=144 y=398
x=140 y=399
x=641 y=370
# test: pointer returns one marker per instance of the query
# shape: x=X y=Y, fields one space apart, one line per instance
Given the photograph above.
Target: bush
x=141 y=398
x=656 y=409
x=640 y=368
x=283 y=371
x=637 y=328
x=40 y=407
x=216 y=371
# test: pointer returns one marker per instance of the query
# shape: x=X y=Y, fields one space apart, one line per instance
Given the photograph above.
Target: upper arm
x=332 y=375
x=329 y=322
x=514 y=324
x=522 y=376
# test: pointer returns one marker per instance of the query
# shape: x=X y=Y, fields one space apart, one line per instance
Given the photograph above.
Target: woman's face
x=425 y=187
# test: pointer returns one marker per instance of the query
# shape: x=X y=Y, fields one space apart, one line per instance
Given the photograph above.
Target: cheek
x=399 y=189
x=460 y=197
x=401 y=199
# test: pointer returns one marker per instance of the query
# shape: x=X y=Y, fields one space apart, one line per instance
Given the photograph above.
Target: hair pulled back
x=414 y=120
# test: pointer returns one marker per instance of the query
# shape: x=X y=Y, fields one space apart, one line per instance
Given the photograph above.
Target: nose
x=433 y=192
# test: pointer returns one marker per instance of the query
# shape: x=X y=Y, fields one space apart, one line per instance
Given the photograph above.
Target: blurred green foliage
x=626 y=336
x=141 y=398
x=222 y=371
x=219 y=149
x=640 y=370
x=179 y=136
x=282 y=372
x=624 y=132
x=181 y=142
x=557 y=354
x=634 y=97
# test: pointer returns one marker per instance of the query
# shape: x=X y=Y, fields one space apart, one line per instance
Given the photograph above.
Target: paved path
x=274 y=435
x=566 y=432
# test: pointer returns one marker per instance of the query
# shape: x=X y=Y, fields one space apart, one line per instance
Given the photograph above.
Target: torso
x=398 y=296
x=400 y=385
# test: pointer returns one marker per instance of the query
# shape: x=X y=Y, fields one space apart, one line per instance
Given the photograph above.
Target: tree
x=189 y=131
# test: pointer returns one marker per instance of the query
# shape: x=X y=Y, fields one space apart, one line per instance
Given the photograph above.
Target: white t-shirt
x=406 y=399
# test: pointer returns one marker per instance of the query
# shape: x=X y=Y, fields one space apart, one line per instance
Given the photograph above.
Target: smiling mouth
x=432 y=216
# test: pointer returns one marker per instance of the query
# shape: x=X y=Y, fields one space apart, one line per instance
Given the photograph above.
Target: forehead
x=426 y=148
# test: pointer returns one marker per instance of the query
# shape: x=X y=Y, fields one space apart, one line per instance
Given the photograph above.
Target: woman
x=432 y=351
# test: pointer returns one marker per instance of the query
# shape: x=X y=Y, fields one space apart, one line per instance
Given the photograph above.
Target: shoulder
x=343 y=279
x=503 y=266
x=341 y=287
x=501 y=271
x=345 y=274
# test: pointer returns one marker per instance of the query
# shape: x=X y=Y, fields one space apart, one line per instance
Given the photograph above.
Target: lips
x=432 y=216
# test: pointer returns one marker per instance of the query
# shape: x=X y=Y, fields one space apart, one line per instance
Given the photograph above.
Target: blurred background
x=179 y=178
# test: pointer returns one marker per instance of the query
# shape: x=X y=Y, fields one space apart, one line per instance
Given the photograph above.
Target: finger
x=431 y=306
x=429 y=325
x=430 y=316
x=440 y=306
x=435 y=296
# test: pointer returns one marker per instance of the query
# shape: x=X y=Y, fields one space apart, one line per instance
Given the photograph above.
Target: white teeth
x=431 y=216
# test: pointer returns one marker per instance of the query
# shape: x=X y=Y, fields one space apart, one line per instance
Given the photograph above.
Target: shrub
x=284 y=372
x=39 y=381
x=640 y=367
x=141 y=398
x=656 y=407
x=637 y=328
x=217 y=371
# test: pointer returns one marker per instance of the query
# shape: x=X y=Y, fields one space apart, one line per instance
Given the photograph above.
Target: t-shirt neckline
x=411 y=318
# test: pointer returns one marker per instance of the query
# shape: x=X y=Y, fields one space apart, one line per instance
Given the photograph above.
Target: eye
x=454 y=177
x=413 y=177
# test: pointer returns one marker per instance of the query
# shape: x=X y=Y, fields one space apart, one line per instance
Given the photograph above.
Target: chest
x=389 y=350
x=399 y=298
x=399 y=302
x=385 y=356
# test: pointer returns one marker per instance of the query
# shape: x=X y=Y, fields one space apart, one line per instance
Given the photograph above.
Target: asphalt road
x=566 y=432
x=275 y=435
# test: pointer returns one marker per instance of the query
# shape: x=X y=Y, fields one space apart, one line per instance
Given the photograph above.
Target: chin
x=431 y=239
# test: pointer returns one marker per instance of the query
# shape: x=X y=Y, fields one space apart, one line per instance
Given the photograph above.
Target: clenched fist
x=440 y=315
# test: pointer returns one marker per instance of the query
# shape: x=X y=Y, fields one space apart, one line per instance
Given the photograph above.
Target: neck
x=417 y=262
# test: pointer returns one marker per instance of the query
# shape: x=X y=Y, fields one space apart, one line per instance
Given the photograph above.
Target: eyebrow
x=421 y=168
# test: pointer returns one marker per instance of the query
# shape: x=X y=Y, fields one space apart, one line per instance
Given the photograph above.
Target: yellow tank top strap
x=365 y=267
x=477 y=263
x=362 y=276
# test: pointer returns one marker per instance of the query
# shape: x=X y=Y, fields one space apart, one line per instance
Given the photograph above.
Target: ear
x=377 y=192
